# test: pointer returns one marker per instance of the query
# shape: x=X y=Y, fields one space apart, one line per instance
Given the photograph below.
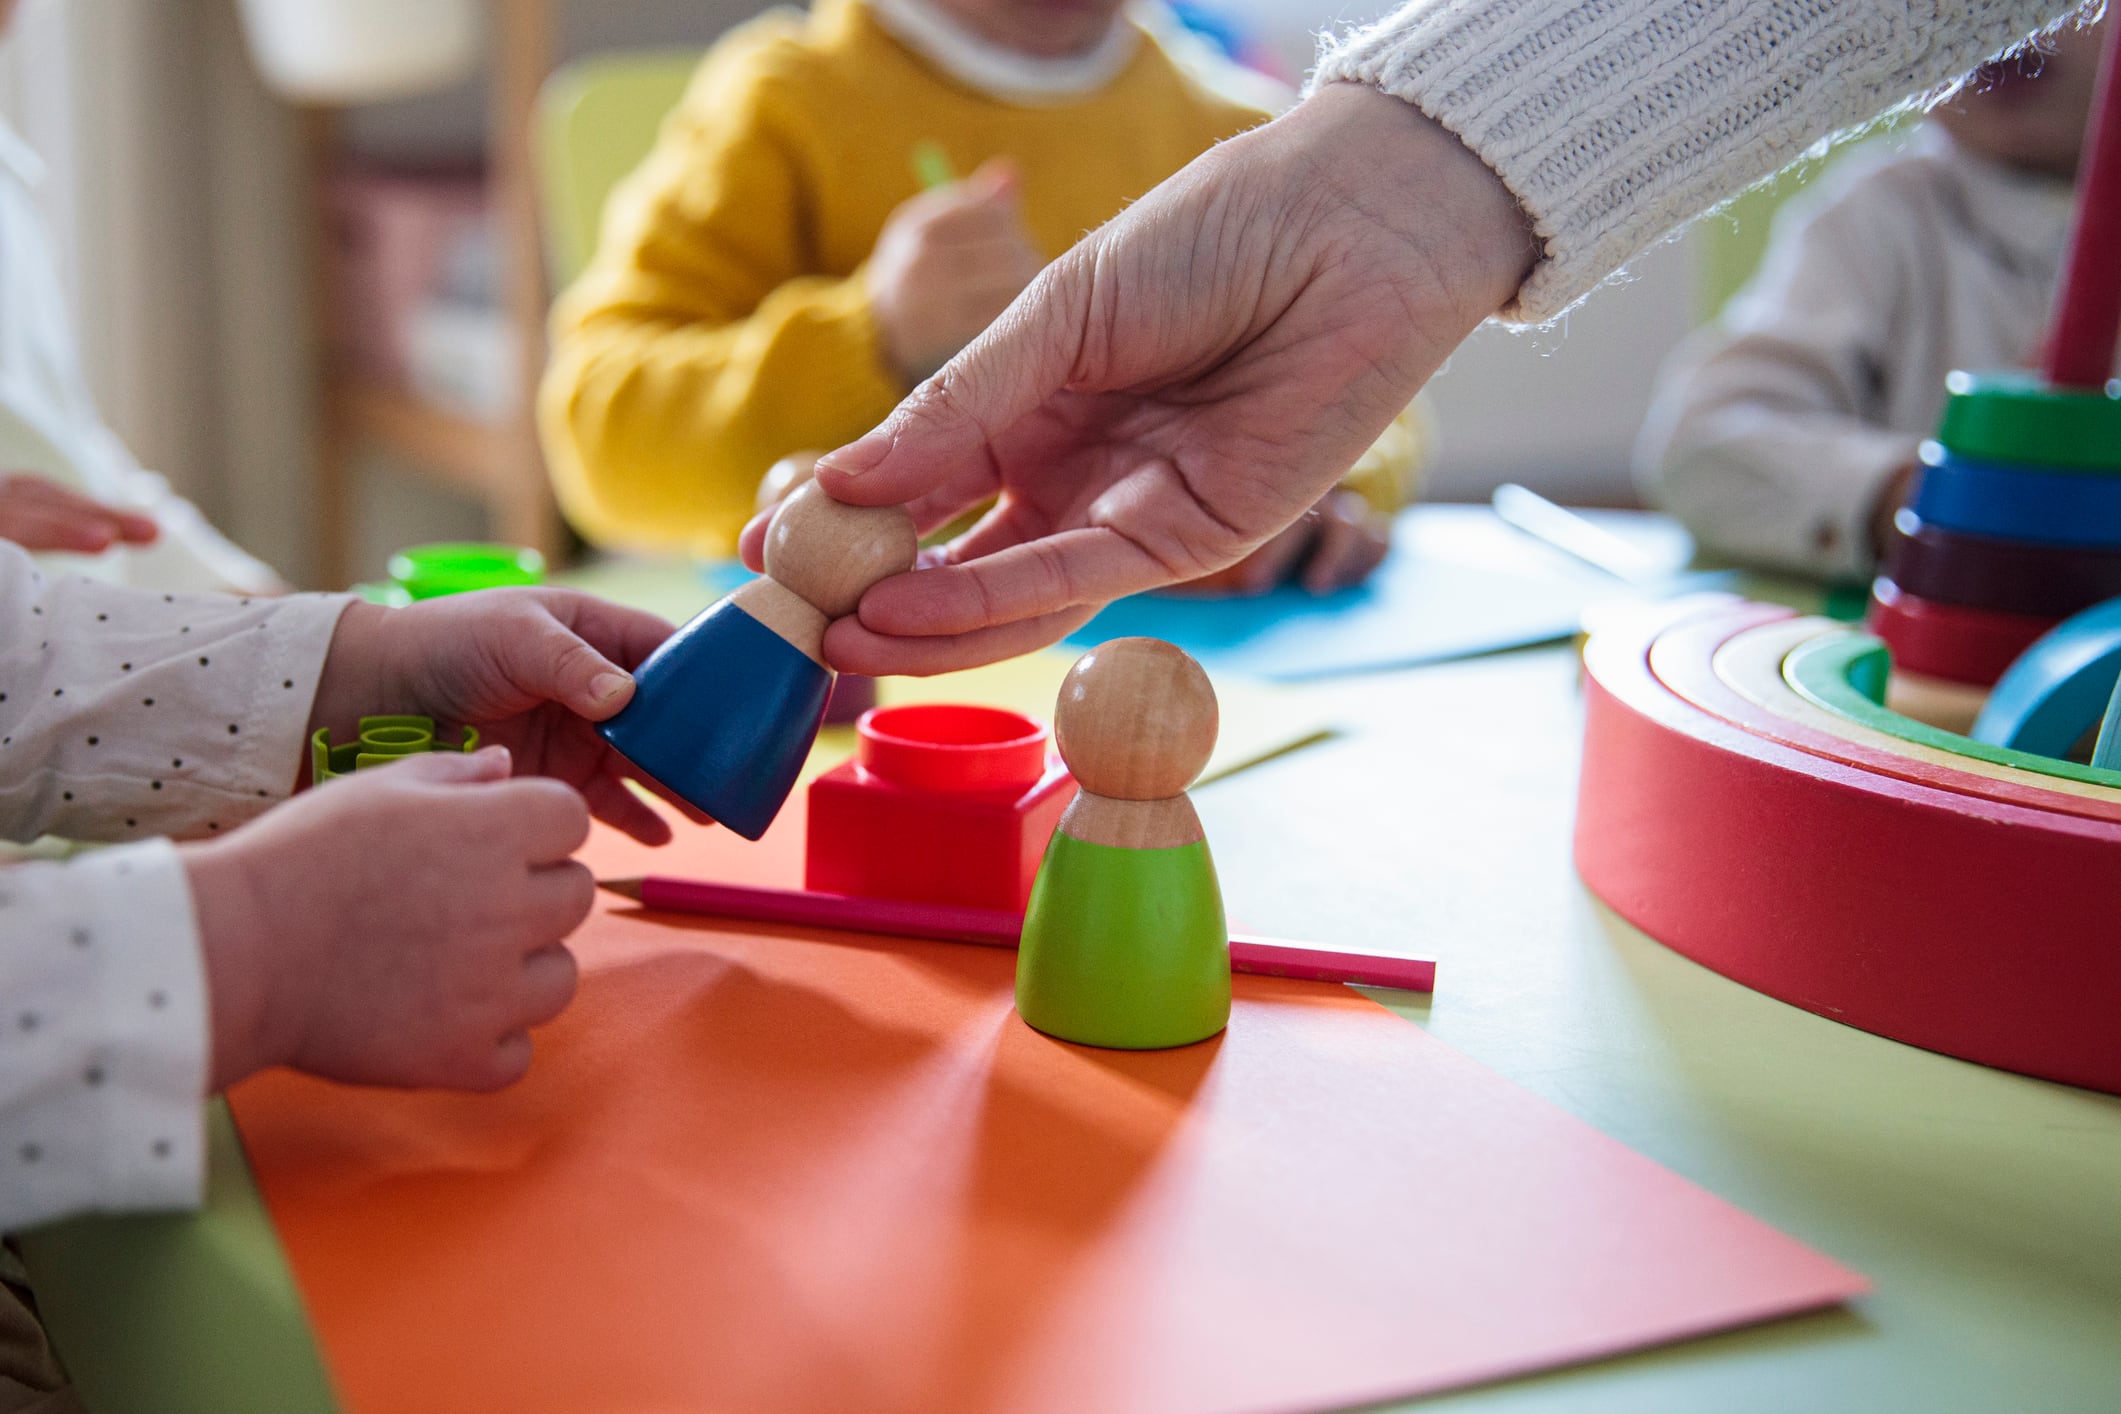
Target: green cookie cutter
x=1845 y=673
x=381 y=741
x=2020 y=417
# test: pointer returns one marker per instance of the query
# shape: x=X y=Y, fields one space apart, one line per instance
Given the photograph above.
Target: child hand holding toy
x=403 y=926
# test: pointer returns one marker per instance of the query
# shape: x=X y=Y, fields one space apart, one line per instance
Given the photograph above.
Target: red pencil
x=1271 y=957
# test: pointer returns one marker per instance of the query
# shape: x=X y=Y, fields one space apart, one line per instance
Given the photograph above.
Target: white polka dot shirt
x=127 y=716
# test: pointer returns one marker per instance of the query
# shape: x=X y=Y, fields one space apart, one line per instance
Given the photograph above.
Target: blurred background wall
x=179 y=195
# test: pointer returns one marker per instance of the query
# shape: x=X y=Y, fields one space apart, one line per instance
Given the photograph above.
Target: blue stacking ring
x=2014 y=502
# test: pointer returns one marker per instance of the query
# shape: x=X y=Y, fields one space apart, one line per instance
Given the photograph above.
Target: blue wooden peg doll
x=726 y=709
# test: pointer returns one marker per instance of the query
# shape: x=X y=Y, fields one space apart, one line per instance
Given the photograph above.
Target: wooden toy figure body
x=1124 y=941
x=727 y=708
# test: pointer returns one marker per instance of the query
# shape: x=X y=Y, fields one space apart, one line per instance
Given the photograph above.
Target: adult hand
x=532 y=669
x=42 y=515
x=1184 y=383
x=946 y=263
x=399 y=927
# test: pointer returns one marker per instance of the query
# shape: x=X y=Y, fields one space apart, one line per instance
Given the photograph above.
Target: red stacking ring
x=1950 y=641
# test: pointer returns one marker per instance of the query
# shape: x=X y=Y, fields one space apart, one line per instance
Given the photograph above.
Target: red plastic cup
x=934 y=746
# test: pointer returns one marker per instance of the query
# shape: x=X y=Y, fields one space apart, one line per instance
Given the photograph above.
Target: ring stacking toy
x=2016 y=516
x=1891 y=883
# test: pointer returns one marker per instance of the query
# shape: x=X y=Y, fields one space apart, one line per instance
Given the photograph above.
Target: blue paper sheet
x=1458 y=582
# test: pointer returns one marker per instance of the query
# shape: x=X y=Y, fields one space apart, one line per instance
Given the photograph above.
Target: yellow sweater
x=724 y=321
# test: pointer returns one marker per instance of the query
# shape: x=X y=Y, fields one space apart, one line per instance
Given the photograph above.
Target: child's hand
x=948 y=261
x=532 y=669
x=42 y=515
x=1339 y=542
x=399 y=927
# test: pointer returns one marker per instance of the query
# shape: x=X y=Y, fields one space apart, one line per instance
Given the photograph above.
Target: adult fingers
x=751 y=543
x=941 y=434
x=854 y=649
x=970 y=484
x=1089 y=566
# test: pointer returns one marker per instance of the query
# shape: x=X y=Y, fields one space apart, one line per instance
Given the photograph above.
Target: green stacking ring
x=2018 y=417
x=431 y=571
x=381 y=741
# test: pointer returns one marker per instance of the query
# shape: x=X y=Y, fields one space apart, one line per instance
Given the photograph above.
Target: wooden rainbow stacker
x=1748 y=800
x=1752 y=798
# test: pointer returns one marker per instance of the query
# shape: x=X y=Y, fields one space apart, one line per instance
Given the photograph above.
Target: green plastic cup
x=458 y=567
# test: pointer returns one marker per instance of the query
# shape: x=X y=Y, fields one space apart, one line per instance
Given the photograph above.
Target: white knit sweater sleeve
x=1616 y=121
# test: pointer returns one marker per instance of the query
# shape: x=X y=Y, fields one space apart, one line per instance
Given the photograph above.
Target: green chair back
x=597 y=118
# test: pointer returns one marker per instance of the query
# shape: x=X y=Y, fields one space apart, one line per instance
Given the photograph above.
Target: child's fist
x=948 y=261
x=399 y=927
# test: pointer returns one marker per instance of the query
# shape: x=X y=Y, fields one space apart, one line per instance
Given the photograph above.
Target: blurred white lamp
x=360 y=51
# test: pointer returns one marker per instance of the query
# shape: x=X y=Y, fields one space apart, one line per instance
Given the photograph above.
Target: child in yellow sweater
x=772 y=279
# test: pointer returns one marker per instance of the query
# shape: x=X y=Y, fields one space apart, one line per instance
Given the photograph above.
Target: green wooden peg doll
x=1124 y=942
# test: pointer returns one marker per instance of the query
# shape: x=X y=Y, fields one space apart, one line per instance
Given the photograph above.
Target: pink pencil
x=1270 y=957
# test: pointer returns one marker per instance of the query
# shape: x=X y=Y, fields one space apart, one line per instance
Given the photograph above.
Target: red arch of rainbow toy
x=1937 y=907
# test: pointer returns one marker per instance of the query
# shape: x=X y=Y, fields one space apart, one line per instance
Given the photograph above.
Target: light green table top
x=1985 y=1207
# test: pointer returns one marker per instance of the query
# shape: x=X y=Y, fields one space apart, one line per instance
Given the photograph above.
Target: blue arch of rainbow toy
x=2058 y=689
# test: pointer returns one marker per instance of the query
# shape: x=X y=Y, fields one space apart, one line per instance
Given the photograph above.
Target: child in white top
x=50 y=431
x=403 y=926
x=1787 y=436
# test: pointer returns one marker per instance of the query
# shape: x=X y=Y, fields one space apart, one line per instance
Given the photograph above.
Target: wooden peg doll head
x=1136 y=720
x=830 y=552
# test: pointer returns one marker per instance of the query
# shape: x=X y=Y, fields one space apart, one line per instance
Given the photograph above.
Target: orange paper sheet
x=771 y=1169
